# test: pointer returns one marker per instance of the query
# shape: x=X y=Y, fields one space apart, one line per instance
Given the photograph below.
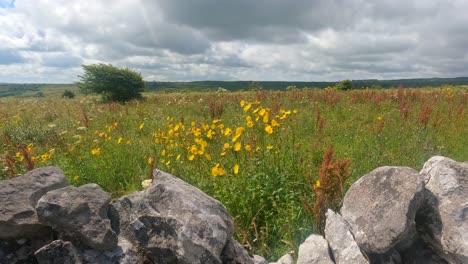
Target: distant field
x=257 y=152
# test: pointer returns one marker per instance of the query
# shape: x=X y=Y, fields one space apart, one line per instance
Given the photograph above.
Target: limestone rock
x=259 y=260
x=286 y=259
x=235 y=253
x=173 y=222
x=19 y=196
x=314 y=250
x=447 y=183
x=341 y=241
x=58 y=252
x=381 y=206
x=80 y=213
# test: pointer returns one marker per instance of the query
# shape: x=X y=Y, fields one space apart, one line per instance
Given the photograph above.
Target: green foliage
x=344 y=85
x=68 y=94
x=113 y=83
x=116 y=146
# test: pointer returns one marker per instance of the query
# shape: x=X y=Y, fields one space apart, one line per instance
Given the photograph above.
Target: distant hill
x=14 y=89
x=277 y=85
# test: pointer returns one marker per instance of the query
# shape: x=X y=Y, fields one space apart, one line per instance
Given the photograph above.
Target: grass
x=262 y=170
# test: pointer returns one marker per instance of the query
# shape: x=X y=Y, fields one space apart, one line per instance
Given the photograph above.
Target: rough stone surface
x=259 y=260
x=234 y=253
x=173 y=222
x=314 y=250
x=286 y=259
x=79 y=213
x=447 y=185
x=341 y=241
x=381 y=206
x=58 y=252
x=19 y=196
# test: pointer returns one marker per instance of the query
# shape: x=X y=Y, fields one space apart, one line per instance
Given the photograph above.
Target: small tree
x=344 y=85
x=113 y=83
x=68 y=94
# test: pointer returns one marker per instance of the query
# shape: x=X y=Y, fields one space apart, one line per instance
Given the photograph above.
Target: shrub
x=113 y=83
x=344 y=85
x=68 y=94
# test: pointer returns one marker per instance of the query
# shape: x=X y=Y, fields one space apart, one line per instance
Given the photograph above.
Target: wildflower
x=227 y=146
x=379 y=118
x=228 y=131
x=250 y=123
x=262 y=112
x=119 y=141
x=269 y=147
x=208 y=157
x=247 y=107
x=29 y=147
x=265 y=118
x=210 y=134
x=96 y=152
x=191 y=157
x=146 y=183
x=168 y=163
x=269 y=129
x=274 y=123
x=76 y=178
x=217 y=170
x=142 y=125
x=178 y=157
x=150 y=160
x=317 y=184
x=129 y=142
x=239 y=131
x=248 y=147
x=222 y=154
x=236 y=169
x=295 y=111
x=237 y=146
x=242 y=103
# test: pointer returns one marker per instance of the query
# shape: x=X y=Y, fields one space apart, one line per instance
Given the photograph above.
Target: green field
x=257 y=152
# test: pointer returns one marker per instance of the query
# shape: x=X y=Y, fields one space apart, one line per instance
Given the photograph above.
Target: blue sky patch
x=7 y=3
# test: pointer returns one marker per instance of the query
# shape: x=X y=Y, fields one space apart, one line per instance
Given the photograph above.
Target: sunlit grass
x=252 y=151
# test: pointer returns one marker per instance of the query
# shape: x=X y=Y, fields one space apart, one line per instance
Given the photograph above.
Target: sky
x=47 y=41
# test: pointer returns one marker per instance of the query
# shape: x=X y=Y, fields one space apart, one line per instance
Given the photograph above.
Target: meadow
x=260 y=153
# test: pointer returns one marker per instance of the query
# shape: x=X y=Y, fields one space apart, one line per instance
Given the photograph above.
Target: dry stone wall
x=390 y=215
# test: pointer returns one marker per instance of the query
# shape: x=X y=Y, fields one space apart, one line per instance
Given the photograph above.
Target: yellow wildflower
x=242 y=102
x=150 y=160
x=191 y=157
x=210 y=134
x=96 y=152
x=227 y=146
x=274 y=123
x=228 y=131
x=76 y=178
x=247 y=107
x=119 y=141
x=248 y=147
x=269 y=147
x=269 y=129
x=266 y=118
x=237 y=146
x=236 y=169
x=208 y=157
x=142 y=125
x=217 y=170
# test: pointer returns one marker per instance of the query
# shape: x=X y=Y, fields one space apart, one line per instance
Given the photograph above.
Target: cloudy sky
x=189 y=40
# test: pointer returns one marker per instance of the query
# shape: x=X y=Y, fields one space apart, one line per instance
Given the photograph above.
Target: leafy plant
x=113 y=83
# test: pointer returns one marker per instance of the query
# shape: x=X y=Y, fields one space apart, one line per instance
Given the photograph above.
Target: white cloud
x=174 y=40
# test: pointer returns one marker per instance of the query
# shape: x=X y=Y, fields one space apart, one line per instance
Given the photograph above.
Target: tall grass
x=250 y=150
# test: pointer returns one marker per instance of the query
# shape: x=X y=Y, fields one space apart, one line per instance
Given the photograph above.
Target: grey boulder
x=447 y=185
x=285 y=259
x=341 y=241
x=314 y=250
x=18 y=197
x=173 y=222
x=79 y=213
x=381 y=206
